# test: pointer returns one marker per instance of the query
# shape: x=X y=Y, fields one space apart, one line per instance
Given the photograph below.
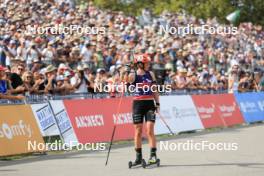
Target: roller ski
x=153 y=160
x=141 y=162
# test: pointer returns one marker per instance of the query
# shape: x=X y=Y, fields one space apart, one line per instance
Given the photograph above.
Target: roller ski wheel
x=130 y=164
x=143 y=164
x=137 y=163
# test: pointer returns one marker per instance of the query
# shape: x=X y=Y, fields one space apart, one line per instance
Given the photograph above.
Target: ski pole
x=113 y=133
x=163 y=120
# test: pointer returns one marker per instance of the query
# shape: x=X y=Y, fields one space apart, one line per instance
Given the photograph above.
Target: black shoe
x=138 y=161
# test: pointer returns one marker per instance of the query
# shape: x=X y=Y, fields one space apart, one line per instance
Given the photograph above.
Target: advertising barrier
x=17 y=128
x=45 y=119
x=93 y=120
x=218 y=110
x=228 y=109
x=63 y=122
x=179 y=113
x=205 y=105
x=251 y=106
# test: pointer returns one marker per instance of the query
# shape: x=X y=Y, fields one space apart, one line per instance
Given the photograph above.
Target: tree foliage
x=251 y=10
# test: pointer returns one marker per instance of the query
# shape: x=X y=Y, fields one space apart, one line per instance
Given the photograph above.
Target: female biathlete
x=145 y=103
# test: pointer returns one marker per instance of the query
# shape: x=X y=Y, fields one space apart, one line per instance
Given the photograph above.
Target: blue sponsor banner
x=251 y=105
x=45 y=117
x=63 y=121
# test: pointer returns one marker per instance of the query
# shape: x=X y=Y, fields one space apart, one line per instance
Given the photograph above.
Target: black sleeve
x=15 y=80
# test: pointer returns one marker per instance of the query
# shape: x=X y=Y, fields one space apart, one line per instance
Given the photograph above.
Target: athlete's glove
x=157 y=107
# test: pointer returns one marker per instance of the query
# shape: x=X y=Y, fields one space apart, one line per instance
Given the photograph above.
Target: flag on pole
x=234 y=16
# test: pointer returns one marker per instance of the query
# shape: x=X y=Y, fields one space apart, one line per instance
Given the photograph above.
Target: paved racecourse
x=247 y=160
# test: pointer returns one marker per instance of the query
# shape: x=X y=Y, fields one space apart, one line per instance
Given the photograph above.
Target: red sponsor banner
x=93 y=120
x=206 y=107
x=218 y=110
x=228 y=109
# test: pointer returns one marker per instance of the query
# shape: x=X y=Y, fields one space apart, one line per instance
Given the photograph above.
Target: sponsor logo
x=206 y=111
x=249 y=107
x=226 y=110
x=122 y=118
x=10 y=131
x=89 y=121
x=45 y=116
x=183 y=112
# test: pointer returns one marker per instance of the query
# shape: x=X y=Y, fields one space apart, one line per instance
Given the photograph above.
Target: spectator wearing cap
x=180 y=79
x=61 y=69
x=67 y=87
x=37 y=65
x=79 y=81
x=48 y=54
x=32 y=53
x=60 y=84
x=101 y=78
x=50 y=81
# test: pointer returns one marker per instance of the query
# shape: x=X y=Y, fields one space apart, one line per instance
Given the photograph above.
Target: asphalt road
x=243 y=156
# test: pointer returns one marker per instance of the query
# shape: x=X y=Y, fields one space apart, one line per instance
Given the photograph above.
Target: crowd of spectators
x=67 y=63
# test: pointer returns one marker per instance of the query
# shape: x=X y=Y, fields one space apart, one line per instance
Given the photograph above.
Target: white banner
x=179 y=113
x=45 y=119
x=64 y=122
